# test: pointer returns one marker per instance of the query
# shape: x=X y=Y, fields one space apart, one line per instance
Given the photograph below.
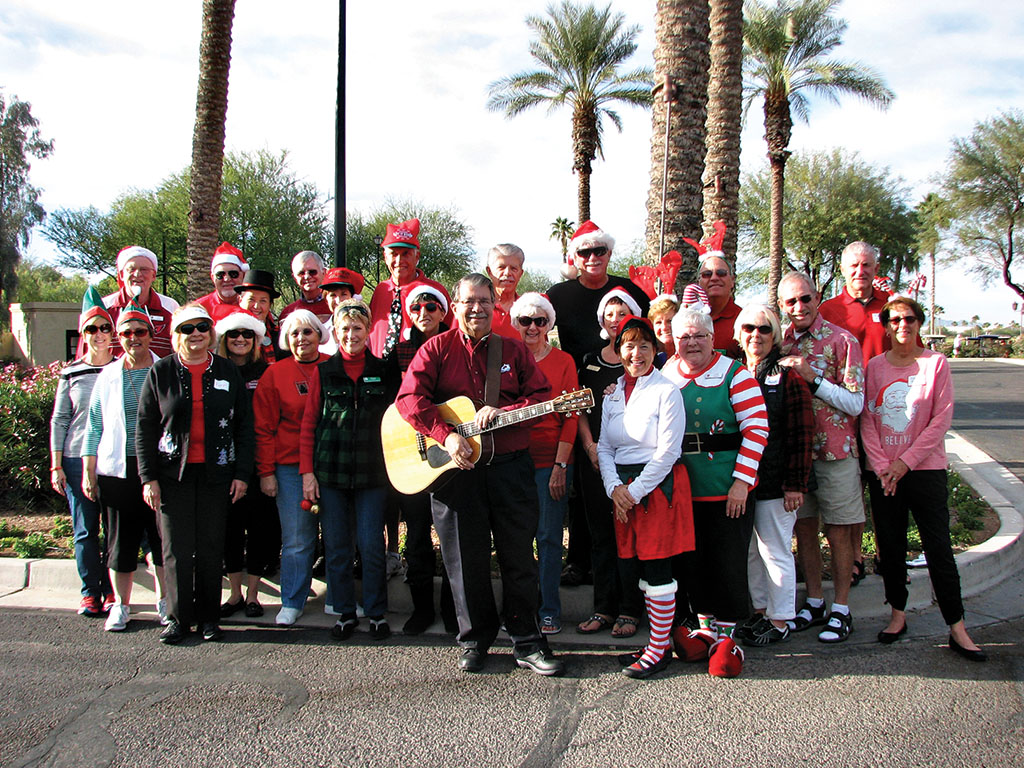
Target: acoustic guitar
x=417 y=463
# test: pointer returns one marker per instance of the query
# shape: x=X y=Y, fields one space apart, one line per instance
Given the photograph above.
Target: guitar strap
x=492 y=388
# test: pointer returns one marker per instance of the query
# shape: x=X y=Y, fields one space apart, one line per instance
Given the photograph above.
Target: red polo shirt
x=216 y=306
x=725 y=329
x=861 y=319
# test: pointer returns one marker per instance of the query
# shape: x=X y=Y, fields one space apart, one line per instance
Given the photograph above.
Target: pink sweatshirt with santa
x=907 y=412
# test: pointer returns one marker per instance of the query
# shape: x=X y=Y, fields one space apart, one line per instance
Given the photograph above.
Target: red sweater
x=548 y=431
x=278 y=405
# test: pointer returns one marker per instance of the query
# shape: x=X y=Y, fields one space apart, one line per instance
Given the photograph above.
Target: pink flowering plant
x=26 y=403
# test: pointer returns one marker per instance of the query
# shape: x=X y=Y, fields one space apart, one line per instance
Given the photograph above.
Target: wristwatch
x=561 y=464
x=816 y=383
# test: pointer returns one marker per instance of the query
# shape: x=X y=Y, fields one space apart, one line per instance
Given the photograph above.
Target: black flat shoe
x=641 y=671
x=173 y=634
x=978 y=655
x=253 y=610
x=472 y=660
x=212 y=632
x=888 y=638
x=230 y=609
x=625 y=659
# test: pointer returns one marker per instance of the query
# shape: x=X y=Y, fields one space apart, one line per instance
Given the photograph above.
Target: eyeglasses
x=245 y=333
x=694 y=337
x=765 y=330
x=306 y=331
x=188 y=328
x=707 y=273
x=91 y=329
x=597 y=253
x=895 y=320
x=540 y=322
x=430 y=306
x=232 y=273
x=805 y=299
x=138 y=333
x=471 y=302
x=310 y=272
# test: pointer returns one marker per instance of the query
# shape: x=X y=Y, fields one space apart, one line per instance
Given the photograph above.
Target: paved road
x=990 y=409
x=71 y=695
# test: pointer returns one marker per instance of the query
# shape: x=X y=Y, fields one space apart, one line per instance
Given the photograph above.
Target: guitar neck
x=507 y=419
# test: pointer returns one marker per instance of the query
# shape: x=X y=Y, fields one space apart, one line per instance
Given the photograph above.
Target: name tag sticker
x=713 y=376
x=876 y=317
x=372 y=379
x=775 y=378
x=222 y=384
x=593 y=368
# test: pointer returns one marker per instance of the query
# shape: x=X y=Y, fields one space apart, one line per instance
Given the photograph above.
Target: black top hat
x=258 y=280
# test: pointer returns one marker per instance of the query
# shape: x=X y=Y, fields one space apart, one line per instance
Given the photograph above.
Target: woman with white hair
x=782 y=477
x=279 y=404
x=253 y=539
x=194 y=439
x=551 y=441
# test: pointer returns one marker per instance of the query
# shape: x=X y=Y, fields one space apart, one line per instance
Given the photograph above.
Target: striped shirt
x=131 y=383
x=71 y=408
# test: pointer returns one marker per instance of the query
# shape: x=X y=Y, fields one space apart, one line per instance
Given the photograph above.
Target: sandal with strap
x=838 y=628
x=625 y=627
x=858 y=573
x=602 y=624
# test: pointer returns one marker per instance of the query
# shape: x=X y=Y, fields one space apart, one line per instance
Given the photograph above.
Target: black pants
x=253 y=538
x=715 y=574
x=616 y=590
x=193 y=516
x=923 y=492
x=578 y=552
x=419 y=548
x=498 y=499
x=128 y=519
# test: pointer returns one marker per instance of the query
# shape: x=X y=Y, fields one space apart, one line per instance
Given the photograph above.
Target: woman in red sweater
x=551 y=441
x=279 y=404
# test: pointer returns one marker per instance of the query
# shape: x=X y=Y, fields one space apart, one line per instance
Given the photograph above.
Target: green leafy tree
x=20 y=210
x=787 y=44
x=831 y=199
x=932 y=219
x=985 y=185
x=533 y=280
x=41 y=282
x=579 y=50
x=561 y=230
x=446 y=242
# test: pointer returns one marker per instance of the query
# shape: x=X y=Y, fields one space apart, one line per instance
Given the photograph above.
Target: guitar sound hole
x=437 y=456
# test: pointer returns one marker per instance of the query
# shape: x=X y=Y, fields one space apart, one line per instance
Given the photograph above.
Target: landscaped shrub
x=33 y=545
x=26 y=403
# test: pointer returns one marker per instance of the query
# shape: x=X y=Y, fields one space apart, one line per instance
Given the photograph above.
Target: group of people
x=225 y=439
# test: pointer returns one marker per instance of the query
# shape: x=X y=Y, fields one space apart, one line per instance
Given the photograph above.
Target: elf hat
x=589 y=235
x=92 y=306
x=134 y=311
x=404 y=235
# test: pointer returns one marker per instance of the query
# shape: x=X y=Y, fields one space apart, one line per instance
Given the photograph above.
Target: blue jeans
x=298 y=538
x=341 y=513
x=85 y=520
x=549 y=543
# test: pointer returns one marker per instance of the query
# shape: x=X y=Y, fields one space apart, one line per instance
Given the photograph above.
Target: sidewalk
x=989 y=572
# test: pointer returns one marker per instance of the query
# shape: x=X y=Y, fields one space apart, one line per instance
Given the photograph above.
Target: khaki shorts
x=839 y=499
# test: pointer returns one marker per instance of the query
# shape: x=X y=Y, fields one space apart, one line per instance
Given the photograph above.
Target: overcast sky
x=114 y=84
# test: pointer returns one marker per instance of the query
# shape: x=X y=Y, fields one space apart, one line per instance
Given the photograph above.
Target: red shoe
x=108 y=600
x=692 y=646
x=726 y=659
x=90 y=606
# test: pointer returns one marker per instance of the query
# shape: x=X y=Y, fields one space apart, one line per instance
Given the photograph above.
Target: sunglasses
x=598 y=252
x=540 y=322
x=307 y=331
x=138 y=333
x=310 y=272
x=430 y=306
x=805 y=299
x=245 y=333
x=187 y=328
x=908 y=319
x=232 y=273
x=91 y=329
x=707 y=273
x=765 y=330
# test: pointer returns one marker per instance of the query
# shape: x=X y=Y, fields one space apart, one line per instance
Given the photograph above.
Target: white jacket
x=109 y=390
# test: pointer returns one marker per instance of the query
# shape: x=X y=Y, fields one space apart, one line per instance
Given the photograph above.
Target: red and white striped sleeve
x=752 y=415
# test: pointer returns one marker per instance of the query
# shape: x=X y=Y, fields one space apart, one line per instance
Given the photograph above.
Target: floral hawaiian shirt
x=835 y=354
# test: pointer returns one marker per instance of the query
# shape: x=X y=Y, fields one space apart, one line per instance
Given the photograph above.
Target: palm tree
x=681 y=60
x=208 y=141
x=579 y=50
x=725 y=112
x=561 y=230
x=933 y=216
x=786 y=46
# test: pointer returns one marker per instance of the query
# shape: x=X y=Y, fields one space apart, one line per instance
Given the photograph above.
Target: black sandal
x=858 y=573
x=603 y=624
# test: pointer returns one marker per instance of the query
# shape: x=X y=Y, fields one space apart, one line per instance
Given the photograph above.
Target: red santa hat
x=622 y=295
x=226 y=253
x=589 y=235
x=418 y=289
x=242 y=319
x=404 y=235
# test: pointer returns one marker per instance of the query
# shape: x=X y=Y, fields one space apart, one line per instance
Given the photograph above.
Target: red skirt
x=657 y=527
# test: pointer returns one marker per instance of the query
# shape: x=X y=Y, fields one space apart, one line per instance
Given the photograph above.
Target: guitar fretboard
x=507 y=419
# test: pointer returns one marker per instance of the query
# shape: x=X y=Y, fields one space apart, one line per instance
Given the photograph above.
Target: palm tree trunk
x=583 y=195
x=725 y=108
x=775 y=253
x=584 y=147
x=681 y=58
x=931 y=314
x=208 y=141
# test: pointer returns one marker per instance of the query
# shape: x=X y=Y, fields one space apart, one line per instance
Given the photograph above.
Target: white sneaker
x=394 y=566
x=161 y=609
x=117 y=619
x=287 y=616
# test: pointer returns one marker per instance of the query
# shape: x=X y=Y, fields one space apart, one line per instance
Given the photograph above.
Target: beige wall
x=40 y=329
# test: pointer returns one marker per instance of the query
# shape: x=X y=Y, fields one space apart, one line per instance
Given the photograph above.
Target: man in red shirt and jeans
x=495 y=496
